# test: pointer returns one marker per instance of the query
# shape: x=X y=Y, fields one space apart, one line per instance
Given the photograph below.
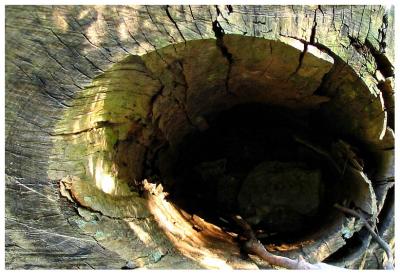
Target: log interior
x=175 y=137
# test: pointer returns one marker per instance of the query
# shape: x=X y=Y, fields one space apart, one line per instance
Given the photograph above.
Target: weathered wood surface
x=52 y=53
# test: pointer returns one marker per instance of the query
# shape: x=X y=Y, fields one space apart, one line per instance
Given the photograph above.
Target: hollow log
x=98 y=98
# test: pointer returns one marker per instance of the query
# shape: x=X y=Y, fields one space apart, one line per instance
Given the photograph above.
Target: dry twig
x=254 y=246
x=376 y=237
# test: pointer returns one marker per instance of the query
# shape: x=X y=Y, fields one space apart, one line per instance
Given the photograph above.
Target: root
x=255 y=247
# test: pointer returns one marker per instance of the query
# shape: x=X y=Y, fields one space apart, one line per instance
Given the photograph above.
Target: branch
x=376 y=237
x=254 y=246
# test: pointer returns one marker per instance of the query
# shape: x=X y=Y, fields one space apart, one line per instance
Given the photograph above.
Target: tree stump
x=101 y=99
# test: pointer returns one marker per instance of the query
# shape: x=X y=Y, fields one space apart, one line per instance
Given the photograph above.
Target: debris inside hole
x=249 y=162
x=359 y=242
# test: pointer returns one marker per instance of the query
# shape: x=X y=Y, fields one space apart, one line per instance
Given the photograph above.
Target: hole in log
x=260 y=134
x=249 y=162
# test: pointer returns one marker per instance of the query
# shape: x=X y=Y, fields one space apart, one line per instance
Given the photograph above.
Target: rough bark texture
x=58 y=62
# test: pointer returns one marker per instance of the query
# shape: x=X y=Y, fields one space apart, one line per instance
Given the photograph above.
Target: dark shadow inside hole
x=248 y=163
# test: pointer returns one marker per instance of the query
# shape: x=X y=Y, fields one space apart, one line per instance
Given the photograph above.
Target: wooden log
x=55 y=53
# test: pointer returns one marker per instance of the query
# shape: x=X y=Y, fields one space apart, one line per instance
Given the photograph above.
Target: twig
x=318 y=150
x=254 y=246
x=375 y=236
x=363 y=260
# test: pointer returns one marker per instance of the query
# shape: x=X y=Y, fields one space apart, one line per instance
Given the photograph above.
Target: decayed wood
x=52 y=53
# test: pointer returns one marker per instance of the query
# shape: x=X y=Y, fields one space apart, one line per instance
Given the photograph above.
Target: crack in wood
x=219 y=34
x=195 y=23
x=174 y=22
x=314 y=26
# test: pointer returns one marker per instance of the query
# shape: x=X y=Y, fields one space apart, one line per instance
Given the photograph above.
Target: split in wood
x=389 y=264
x=254 y=246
